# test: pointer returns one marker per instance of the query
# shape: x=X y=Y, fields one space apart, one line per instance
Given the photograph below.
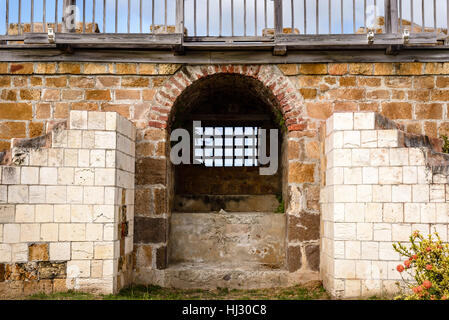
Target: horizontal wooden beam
x=109 y=40
x=402 y=54
x=297 y=41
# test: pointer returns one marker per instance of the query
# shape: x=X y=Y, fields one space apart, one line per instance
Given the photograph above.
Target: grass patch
x=312 y=291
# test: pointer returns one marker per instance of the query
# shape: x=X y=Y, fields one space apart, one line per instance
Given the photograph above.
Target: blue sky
x=226 y=5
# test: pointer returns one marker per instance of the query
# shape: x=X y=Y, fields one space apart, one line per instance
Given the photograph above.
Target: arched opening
x=224 y=212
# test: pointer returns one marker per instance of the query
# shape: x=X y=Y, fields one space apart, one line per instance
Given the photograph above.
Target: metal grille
x=226 y=146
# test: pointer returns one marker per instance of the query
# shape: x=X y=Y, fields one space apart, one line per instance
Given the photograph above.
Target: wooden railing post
x=278 y=27
x=68 y=16
x=179 y=16
x=391 y=16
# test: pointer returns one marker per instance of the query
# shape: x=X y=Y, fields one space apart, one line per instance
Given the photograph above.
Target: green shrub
x=428 y=263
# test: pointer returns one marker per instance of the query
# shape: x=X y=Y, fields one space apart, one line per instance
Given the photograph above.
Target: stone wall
x=67 y=207
x=34 y=95
x=381 y=184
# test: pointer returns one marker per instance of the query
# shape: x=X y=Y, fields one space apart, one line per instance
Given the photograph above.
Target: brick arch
x=289 y=101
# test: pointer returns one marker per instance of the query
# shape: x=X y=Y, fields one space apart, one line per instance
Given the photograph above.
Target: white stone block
x=344 y=269
x=55 y=157
x=37 y=194
x=386 y=251
x=75 y=194
x=437 y=193
x=30 y=175
x=88 y=139
x=96 y=268
x=5 y=253
x=364 y=120
x=401 y=193
x=334 y=176
x=428 y=212
x=44 y=213
x=3 y=194
x=24 y=213
x=416 y=157
x=399 y=157
x=368 y=139
x=18 y=194
x=345 y=231
x=370 y=175
x=11 y=233
x=370 y=250
x=341 y=157
x=371 y=287
x=104 y=250
x=59 y=139
x=48 y=176
x=401 y=232
x=363 y=269
x=60 y=251
x=110 y=195
x=352 y=175
x=19 y=252
x=409 y=175
x=105 y=140
x=104 y=177
x=390 y=175
x=109 y=268
x=352 y=249
x=379 y=157
x=49 y=232
x=382 y=232
x=78 y=119
x=72 y=232
x=393 y=212
x=98 y=158
x=84 y=177
x=345 y=193
x=82 y=250
x=39 y=157
x=104 y=213
x=56 y=194
x=364 y=231
x=110 y=158
x=387 y=138
x=11 y=175
x=7 y=213
x=420 y=193
x=96 y=120
x=70 y=157
x=442 y=212
x=354 y=212
x=65 y=176
x=84 y=158
x=339 y=249
x=381 y=193
x=94 y=232
x=111 y=121
x=360 y=157
x=78 y=269
x=364 y=193
x=379 y=269
x=373 y=212
x=93 y=195
x=342 y=121
x=30 y=232
x=61 y=213
x=81 y=213
x=110 y=232
x=351 y=139
x=412 y=212
x=424 y=175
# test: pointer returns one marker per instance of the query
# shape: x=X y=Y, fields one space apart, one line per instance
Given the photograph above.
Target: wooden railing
x=283 y=22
